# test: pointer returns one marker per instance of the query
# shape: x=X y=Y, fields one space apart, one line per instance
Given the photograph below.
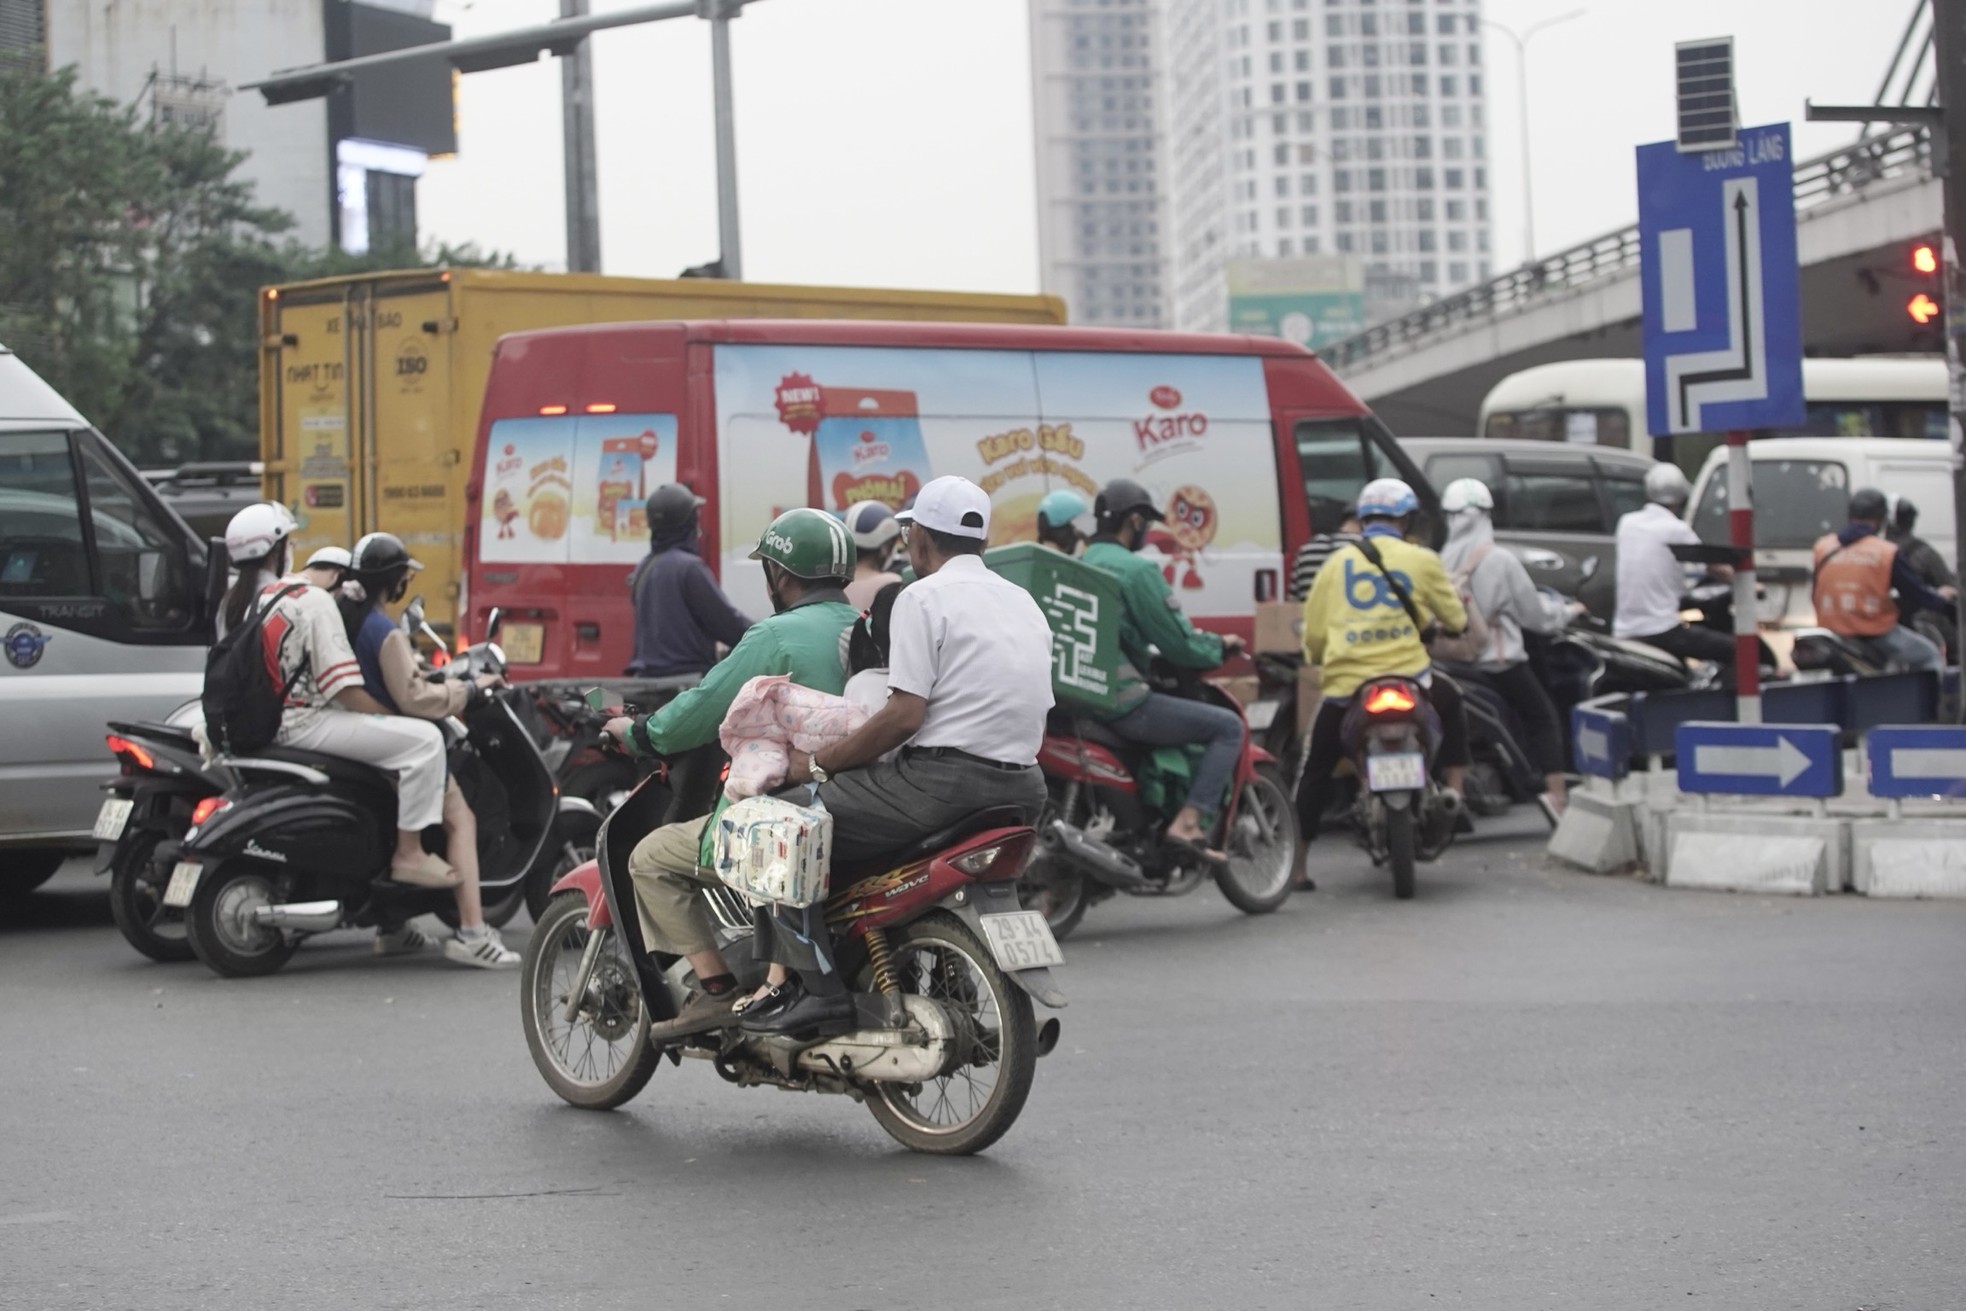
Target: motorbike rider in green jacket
x=1152 y=621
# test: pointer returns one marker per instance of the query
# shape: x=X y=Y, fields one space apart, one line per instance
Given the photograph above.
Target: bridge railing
x=1841 y=172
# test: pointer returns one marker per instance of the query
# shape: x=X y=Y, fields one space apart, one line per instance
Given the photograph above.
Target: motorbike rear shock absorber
x=880 y=960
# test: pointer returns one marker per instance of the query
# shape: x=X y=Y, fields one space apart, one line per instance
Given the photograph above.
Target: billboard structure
x=1309 y=299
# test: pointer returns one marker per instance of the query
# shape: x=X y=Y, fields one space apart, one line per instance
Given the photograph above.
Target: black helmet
x=1869 y=505
x=1904 y=514
x=1121 y=497
x=672 y=510
x=379 y=563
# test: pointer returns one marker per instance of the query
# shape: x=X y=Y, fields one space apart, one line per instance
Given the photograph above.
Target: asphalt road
x=1527 y=1088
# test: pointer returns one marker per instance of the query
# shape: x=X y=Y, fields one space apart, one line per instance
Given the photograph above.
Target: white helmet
x=257 y=531
x=1466 y=493
x=1665 y=484
x=330 y=557
x=1386 y=498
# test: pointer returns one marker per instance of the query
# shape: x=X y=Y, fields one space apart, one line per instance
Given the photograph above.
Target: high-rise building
x=1296 y=128
x=1099 y=214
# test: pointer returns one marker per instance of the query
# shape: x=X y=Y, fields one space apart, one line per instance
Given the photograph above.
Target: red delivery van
x=1246 y=441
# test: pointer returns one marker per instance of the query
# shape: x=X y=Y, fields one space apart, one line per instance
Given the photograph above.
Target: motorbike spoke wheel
x=1399 y=848
x=1054 y=889
x=602 y=1057
x=976 y=1100
x=220 y=925
x=1261 y=845
x=136 y=902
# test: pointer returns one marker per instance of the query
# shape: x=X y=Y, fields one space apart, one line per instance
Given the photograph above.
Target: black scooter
x=300 y=842
x=150 y=803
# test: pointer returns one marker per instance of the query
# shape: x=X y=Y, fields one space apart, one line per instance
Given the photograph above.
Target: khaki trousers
x=669 y=886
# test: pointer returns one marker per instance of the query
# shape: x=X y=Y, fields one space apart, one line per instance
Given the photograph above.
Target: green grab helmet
x=808 y=543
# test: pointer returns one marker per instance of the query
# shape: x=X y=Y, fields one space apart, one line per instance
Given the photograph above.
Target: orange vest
x=1853 y=586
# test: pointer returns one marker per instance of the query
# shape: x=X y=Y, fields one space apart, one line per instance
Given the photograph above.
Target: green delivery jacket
x=802 y=640
x=1152 y=619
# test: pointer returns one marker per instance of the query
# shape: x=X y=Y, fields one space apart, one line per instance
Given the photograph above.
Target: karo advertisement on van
x=831 y=425
x=567 y=489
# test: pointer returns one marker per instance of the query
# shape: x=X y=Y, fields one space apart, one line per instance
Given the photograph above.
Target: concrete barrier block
x=1596 y=832
x=1755 y=853
x=1908 y=857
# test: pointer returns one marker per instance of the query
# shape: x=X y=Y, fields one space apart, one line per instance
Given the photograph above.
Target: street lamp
x=1522 y=98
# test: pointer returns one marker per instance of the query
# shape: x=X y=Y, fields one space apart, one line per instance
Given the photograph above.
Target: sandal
x=430 y=872
x=1199 y=846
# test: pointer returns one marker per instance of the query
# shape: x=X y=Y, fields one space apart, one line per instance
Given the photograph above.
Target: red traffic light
x=1922 y=308
x=1925 y=259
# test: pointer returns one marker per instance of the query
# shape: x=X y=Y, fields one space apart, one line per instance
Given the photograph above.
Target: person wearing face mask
x=808 y=555
x=680 y=612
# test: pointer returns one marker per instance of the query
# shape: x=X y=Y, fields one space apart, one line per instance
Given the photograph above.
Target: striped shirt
x=1310 y=558
x=307 y=643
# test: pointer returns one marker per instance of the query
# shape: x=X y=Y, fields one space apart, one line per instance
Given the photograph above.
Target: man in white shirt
x=969 y=685
x=1651 y=581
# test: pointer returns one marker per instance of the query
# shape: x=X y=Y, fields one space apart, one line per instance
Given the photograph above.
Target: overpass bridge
x=1857 y=209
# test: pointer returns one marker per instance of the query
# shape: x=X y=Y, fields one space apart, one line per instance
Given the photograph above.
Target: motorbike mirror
x=413 y=613
x=491 y=623
x=1589 y=569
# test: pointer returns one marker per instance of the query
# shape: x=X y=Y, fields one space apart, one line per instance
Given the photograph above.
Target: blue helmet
x=1060 y=508
x=1386 y=498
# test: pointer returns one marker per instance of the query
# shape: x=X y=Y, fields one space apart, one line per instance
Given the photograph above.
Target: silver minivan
x=104 y=614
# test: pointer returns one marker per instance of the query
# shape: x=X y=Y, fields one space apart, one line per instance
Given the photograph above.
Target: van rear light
x=601 y=407
x=124 y=749
x=205 y=809
x=552 y=410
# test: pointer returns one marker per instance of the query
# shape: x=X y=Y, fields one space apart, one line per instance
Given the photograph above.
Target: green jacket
x=1152 y=619
x=802 y=640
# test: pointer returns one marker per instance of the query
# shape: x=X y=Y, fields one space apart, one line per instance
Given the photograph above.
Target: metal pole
x=720 y=12
x=1949 y=160
x=1740 y=530
x=577 y=128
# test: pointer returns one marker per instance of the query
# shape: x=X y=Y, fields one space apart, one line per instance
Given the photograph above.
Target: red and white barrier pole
x=1740 y=528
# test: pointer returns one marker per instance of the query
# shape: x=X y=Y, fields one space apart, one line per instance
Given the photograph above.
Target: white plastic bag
x=773 y=850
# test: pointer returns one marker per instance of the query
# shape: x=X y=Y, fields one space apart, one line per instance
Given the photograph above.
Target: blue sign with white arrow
x=1717 y=275
x=1759 y=760
x=1600 y=742
x=1923 y=760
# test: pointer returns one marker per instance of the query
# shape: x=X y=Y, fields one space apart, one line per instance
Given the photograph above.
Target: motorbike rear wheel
x=1050 y=886
x=602 y=1057
x=136 y=902
x=219 y=921
x=1399 y=848
x=1261 y=845
x=971 y=1106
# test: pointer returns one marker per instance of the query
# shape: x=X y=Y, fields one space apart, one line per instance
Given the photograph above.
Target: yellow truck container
x=370 y=384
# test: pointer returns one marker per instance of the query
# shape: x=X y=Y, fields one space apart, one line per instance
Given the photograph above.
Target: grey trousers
x=883 y=808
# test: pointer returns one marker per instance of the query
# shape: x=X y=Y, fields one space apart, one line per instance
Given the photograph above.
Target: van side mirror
x=217 y=574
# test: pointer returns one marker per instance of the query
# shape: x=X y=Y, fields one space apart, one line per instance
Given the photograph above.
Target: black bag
x=242 y=700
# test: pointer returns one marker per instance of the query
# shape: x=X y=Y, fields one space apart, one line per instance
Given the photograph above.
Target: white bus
x=1602 y=403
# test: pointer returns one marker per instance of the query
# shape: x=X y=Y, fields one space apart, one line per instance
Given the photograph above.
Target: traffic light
x=1927 y=301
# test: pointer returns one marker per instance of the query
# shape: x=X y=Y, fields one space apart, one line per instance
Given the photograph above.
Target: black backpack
x=242 y=702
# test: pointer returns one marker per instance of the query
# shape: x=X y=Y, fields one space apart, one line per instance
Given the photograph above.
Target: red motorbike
x=943 y=962
x=1111 y=801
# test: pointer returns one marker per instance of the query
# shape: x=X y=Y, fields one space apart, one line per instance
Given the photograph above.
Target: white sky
x=888 y=142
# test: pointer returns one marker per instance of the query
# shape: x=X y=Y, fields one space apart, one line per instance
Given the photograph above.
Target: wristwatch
x=816 y=770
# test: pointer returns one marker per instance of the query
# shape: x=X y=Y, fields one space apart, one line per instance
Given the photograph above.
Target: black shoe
x=801 y=1014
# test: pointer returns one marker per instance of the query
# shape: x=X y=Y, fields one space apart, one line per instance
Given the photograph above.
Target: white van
x=104 y=614
x=1802 y=489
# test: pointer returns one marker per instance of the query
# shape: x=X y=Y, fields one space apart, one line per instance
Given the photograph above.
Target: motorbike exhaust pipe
x=1098 y=859
x=309 y=916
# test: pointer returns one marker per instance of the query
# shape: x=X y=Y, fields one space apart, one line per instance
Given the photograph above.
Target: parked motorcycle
x=300 y=842
x=943 y=962
x=1390 y=734
x=1110 y=803
x=161 y=781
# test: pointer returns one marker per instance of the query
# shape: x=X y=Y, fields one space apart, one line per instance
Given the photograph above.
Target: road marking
x=1784 y=761
x=1928 y=762
x=38 y=1218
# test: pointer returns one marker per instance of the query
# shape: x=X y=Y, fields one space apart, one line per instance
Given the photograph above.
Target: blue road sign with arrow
x=1600 y=742
x=1916 y=761
x=1759 y=760
x=1717 y=274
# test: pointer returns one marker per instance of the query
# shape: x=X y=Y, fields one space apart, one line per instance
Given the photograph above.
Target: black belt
x=957 y=753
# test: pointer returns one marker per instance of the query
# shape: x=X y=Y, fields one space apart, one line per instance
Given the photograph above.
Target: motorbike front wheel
x=601 y=1057
x=1261 y=845
x=575 y=839
x=136 y=902
x=220 y=925
x=973 y=1104
x=1399 y=848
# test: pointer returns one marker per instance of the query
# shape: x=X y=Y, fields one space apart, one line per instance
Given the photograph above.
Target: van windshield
x=1795 y=502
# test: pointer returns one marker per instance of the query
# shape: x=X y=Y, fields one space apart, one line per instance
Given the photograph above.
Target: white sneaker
x=400 y=943
x=483 y=949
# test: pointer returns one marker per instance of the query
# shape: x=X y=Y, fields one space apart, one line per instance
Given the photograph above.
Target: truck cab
x=104 y=614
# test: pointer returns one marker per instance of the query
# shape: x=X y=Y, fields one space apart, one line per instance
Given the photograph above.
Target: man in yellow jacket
x=1357 y=628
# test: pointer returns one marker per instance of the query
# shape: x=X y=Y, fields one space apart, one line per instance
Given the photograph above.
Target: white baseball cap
x=951 y=505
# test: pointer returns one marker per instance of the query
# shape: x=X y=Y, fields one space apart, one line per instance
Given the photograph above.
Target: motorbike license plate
x=1404 y=771
x=184 y=882
x=112 y=819
x=523 y=644
x=1021 y=940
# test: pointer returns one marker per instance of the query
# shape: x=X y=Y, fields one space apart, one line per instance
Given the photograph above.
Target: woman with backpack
x=1495 y=585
